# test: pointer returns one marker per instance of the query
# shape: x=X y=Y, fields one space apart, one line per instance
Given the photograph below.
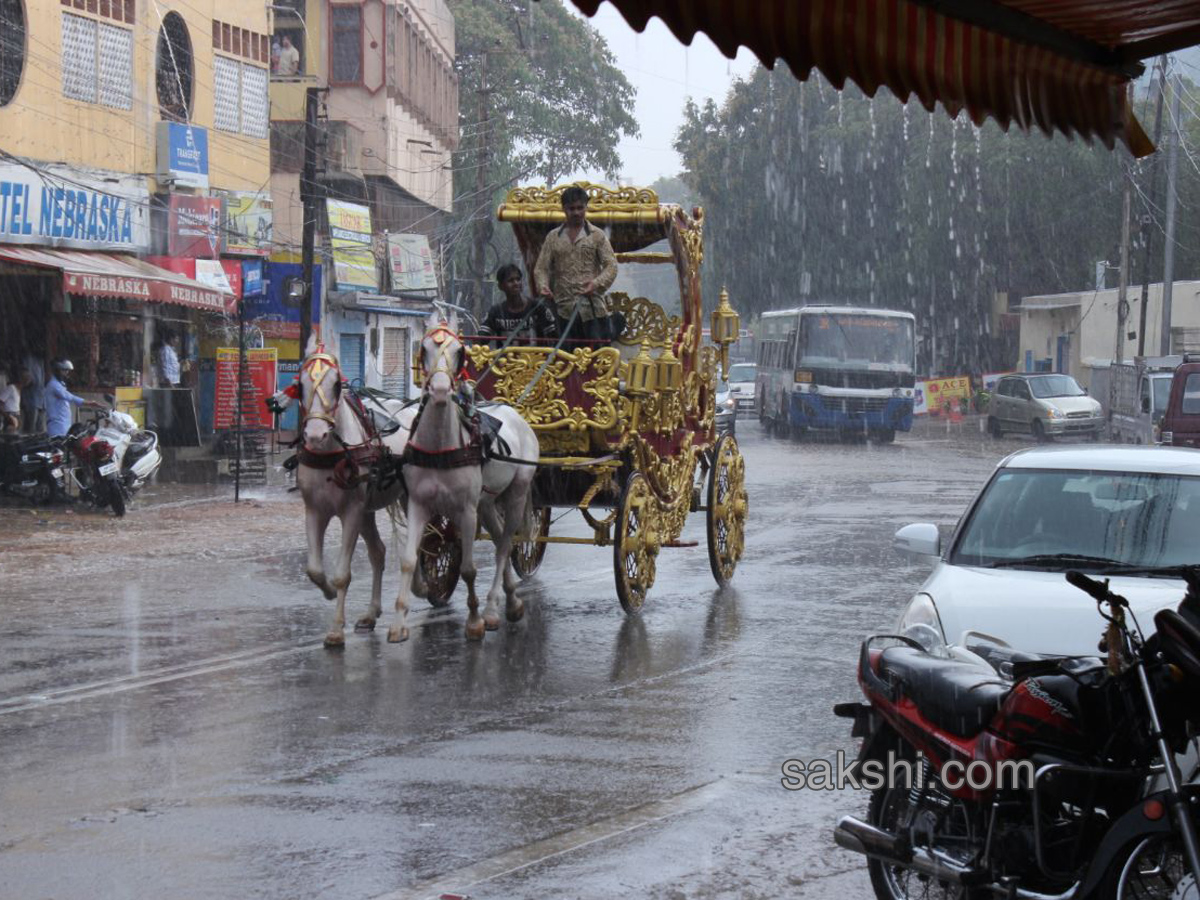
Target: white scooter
x=115 y=458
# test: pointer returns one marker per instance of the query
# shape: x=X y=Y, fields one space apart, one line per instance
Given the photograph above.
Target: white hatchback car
x=1131 y=514
x=741 y=386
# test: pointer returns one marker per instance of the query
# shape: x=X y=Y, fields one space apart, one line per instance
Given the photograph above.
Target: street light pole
x=1176 y=137
x=309 y=196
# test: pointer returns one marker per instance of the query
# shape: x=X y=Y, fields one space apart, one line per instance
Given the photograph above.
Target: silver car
x=1045 y=406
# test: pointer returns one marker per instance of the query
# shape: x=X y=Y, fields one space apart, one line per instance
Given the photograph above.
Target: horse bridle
x=442 y=362
x=319 y=366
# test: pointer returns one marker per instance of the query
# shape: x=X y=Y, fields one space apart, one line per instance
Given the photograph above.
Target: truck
x=1181 y=423
x=1134 y=397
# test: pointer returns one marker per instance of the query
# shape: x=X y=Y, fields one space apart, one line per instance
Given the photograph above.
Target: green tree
x=540 y=96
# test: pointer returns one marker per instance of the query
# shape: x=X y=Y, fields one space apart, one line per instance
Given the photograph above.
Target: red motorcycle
x=1033 y=778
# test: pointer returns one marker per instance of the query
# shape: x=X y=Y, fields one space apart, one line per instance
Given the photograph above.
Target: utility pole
x=1148 y=218
x=309 y=196
x=483 y=225
x=1164 y=344
x=1123 y=284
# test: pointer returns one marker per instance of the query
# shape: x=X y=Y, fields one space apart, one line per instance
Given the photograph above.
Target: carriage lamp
x=725 y=327
x=670 y=372
x=642 y=375
x=416 y=370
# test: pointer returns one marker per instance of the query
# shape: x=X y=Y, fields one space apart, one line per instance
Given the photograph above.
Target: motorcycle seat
x=960 y=697
x=140 y=444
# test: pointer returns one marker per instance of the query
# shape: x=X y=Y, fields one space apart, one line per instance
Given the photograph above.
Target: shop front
x=107 y=312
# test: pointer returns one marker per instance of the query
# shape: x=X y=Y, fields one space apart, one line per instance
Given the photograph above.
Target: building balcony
x=289 y=95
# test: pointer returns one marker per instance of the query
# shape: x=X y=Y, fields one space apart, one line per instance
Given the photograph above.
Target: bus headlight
x=812 y=389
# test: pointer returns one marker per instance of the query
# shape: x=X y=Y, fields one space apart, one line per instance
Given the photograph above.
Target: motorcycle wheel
x=945 y=817
x=1152 y=869
x=116 y=497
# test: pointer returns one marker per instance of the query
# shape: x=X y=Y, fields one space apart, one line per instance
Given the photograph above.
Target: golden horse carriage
x=626 y=431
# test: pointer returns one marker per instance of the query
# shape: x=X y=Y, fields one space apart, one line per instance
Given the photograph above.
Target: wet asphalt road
x=172 y=727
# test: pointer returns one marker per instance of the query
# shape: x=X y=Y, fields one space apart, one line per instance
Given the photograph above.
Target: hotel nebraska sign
x=56 y=206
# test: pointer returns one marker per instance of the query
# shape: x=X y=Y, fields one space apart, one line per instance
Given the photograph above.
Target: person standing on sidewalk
x=59 y=400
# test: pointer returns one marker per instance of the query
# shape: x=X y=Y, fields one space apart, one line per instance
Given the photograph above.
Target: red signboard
x=194 y=227
x=259 y=383
x=188 y=268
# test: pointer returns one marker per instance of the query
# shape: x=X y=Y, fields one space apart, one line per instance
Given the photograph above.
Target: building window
x=346 y=61
x=97 y=62
x=240 y=103
x=12 y=48
x=175 y=69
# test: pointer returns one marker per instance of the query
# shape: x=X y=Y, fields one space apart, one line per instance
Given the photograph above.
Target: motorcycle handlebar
x=1097 y=590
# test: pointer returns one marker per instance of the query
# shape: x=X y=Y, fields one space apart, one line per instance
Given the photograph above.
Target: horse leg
x=351 y=524
x=376 y=552
x=467 y=520
x=417 y=517
x=518 y=510
x=316 y=522
x=495 y=527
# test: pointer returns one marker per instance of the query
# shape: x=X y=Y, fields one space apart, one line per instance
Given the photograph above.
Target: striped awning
x=1057 y=65
x=120 y=276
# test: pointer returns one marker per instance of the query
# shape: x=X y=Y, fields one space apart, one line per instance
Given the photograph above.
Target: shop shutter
x=351 y=356
x=395 y=361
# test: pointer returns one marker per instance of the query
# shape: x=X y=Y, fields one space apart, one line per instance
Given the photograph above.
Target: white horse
x=444 y=476
x=335 y=477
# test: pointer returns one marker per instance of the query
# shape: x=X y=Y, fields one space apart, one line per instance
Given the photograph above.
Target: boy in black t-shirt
x=516 y=311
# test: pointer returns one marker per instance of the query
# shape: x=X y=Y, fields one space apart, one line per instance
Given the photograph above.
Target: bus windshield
x=856 y=340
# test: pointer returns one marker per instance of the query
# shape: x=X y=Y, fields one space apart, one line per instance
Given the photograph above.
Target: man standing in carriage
x=576 y=266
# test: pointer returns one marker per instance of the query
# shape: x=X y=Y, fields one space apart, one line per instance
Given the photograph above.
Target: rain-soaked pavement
x=172 y=727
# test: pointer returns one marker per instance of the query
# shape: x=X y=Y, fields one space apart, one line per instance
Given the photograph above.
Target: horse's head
x=442 y=356
x=320 y=394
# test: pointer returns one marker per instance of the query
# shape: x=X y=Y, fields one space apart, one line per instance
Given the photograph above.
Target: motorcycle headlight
x=920 y=622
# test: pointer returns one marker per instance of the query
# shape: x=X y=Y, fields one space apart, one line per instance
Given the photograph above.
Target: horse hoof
x=475 y=630
x=515 y=612
x=335 y=639
x=491 y=621
x=366 y=623
x=396 y=634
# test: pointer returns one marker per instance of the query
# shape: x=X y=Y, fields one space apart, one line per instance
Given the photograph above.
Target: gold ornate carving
x=645 y=321
x=563 y=443
x=546 y=406
x=600 y=198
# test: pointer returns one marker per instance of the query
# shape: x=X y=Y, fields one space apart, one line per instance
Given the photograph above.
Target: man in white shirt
x=168 y=362
x=289 y=58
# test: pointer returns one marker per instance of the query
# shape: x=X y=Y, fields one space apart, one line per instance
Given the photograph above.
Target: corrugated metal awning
x=122 y=276
x=1057 y=65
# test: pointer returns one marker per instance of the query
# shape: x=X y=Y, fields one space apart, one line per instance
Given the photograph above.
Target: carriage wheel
x=440 y=559
x=527 y=555
x=727 y=506
x=635 y=543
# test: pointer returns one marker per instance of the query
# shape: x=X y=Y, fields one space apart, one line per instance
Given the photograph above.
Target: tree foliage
x=554 y=103
x=875 y=203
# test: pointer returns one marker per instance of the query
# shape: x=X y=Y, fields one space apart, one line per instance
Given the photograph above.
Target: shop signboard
x=194 y=227
x=274 y=317
x=182 y=154
x=252 y=278
x=257 y=385
x=411 y=263
x=933 y=394
x=58 y=206
x=248 y=222
x=353 y=256
x=221 y=275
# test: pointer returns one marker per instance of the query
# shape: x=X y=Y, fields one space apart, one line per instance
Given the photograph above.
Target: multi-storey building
x=134 y=177
x=388 y=128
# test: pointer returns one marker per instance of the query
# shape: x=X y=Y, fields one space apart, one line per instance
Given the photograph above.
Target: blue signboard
x=183 y=154
x=274 y=317
x=252 y=278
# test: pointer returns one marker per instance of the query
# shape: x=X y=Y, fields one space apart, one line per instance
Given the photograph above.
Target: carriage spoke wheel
x=527 y=555
x=727 y=506
x=440 y=559
x=636 y=542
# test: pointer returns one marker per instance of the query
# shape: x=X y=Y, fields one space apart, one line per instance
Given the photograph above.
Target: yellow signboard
x=353 y=257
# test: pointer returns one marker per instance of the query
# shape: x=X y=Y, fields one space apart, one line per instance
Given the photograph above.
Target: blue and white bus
x=836 y=368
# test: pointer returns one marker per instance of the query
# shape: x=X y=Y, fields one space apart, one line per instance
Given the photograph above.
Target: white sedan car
x=1130 y=514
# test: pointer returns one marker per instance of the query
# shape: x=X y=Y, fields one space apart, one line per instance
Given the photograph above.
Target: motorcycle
x=1104 y=811
x=32 y=467
x=114 y=459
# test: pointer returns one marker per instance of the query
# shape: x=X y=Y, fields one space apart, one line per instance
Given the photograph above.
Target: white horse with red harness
x=346 y=468
x=447 y=473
